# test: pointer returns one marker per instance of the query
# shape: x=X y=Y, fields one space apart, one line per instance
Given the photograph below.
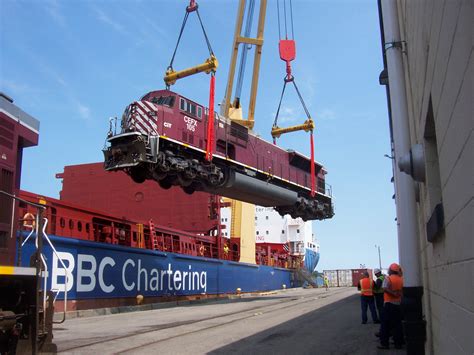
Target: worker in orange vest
x=392 y=314
x=366 y=288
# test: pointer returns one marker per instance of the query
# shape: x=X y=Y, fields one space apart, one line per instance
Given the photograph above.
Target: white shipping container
x=339 y=278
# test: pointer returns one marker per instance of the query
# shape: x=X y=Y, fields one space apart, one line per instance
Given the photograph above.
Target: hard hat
x=377 y=271
x=394 y=267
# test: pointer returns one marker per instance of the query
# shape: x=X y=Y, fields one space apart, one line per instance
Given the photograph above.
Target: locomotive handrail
x=45 y=271
x=22 y=200
x=65 y=273
x=28 y=237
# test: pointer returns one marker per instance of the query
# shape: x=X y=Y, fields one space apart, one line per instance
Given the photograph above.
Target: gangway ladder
x=153 y=237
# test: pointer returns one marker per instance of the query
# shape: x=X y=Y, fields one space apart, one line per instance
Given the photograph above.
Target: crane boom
x=233 y=110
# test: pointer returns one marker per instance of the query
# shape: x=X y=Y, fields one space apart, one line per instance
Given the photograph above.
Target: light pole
x=380 y=260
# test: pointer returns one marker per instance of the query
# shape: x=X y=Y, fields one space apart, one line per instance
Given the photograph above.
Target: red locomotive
x=163 y=138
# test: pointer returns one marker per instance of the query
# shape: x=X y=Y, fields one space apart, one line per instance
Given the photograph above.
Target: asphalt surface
x=297 y=321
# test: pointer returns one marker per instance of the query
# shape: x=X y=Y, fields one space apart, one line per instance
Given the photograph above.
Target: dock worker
x=326 y=282
x=392 y=314
x=366 y=288
x=378 y=291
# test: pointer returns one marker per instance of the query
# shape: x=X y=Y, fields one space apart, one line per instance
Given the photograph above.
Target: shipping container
x=345 y=277
x=339 y=278
x=357 y=274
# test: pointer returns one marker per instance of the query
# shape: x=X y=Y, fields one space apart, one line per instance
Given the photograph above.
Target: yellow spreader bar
x=17 y=270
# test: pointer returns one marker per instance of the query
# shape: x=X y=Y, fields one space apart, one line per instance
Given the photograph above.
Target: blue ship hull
x=97 y=270
x=311 y=260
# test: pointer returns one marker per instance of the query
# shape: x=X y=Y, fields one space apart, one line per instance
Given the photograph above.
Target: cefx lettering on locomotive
x=190 y=123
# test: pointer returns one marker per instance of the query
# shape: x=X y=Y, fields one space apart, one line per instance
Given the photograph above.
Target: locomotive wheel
x=190 y=173
x=165 y=183
x=189 y=189
x=138 y=174
x=163 y=163
x=183 y=180
x=213 y=180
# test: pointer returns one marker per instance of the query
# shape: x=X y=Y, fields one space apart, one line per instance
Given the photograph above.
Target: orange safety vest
x=366 y=287
x=396 y=284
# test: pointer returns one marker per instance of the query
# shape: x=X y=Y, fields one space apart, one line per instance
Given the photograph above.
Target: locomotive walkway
x=295 y=321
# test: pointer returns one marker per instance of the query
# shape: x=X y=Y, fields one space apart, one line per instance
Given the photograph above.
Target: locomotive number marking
x=190 y=123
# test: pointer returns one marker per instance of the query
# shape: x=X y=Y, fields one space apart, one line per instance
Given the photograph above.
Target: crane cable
x=193 y=7
x=287 y=54
x=245 y=49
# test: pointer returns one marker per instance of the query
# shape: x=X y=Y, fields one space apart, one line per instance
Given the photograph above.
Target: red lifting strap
x=210 y=120
x=313 y=174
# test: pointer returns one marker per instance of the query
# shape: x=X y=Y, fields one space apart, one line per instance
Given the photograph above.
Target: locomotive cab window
x=163 y=100
x=190 y=108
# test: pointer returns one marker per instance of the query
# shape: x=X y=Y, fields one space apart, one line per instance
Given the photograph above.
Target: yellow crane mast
x=233 y=110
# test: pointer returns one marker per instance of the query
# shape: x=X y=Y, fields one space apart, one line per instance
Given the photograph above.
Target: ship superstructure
x=276 y=234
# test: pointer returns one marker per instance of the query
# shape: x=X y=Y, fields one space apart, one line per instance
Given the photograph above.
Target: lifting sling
x=209 y=67
x=287 y=49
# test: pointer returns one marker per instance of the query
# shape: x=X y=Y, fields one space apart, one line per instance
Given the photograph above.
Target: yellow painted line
x=6 y=270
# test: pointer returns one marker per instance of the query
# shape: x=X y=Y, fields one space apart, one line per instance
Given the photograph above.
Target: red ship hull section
x=89 y=185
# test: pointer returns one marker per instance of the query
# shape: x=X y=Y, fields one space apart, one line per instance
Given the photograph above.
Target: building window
x=297 y=231
x=258 y=233
x=267 y=232
x=256 y=217
x=282 y=231
x=266 y=217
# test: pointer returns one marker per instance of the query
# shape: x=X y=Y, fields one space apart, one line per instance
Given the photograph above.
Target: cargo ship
x=106 y=255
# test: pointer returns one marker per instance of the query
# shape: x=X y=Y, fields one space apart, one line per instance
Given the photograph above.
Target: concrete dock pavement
x=294 y=321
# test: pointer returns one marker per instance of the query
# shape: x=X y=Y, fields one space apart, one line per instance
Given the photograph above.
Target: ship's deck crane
x=233 y=110
x=242 y=211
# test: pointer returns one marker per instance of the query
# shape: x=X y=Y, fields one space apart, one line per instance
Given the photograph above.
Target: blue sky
x=73 y=64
